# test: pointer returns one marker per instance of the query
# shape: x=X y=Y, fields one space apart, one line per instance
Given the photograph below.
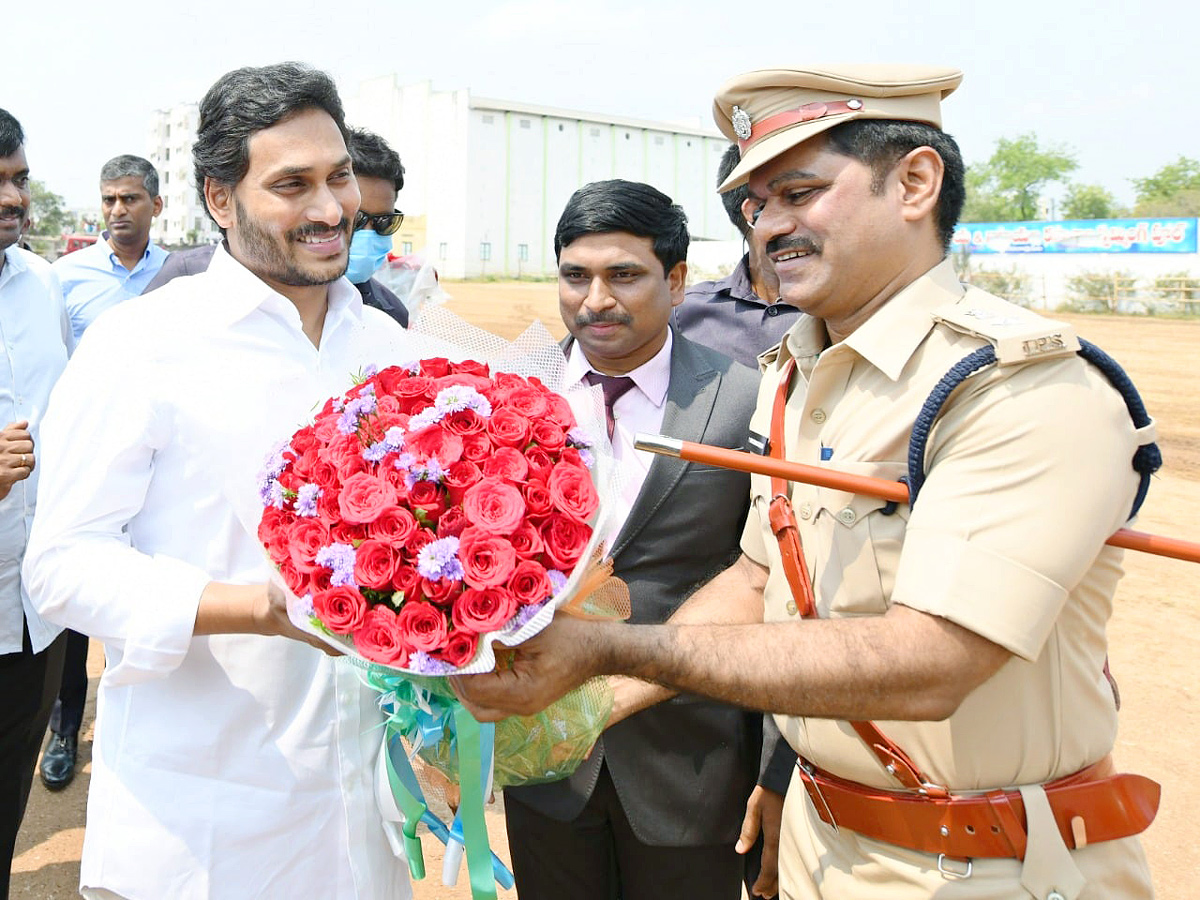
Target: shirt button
x=818 y=416
x=806 y=511
x=772 y=311
x=847 y=516
x=791 y=607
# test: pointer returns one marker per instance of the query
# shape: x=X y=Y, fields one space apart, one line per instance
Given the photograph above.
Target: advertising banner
x=1078 y=236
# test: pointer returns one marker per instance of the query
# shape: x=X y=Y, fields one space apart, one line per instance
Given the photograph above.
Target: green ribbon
x=470 y=809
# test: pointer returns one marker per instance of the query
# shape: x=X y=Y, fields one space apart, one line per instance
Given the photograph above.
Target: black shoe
x=58 y=762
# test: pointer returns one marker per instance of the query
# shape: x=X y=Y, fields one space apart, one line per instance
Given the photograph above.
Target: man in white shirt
x=115 y=268
x=34 y=341
x=245 y=761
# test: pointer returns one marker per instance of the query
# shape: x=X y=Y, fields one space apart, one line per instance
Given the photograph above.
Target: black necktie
x=613 y=386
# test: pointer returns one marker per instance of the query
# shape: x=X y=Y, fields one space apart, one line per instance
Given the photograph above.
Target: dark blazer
x=683 y=768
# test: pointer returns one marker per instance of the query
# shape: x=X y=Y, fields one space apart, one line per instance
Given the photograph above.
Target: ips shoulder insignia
x=1019 y=335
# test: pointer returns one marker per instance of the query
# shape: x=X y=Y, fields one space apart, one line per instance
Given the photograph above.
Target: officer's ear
x=219 y=197
x=919 y=175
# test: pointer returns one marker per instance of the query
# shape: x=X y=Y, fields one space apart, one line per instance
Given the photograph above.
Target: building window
x=406 y=247
x=487 y=120
x=443 y=250
x=168 y=154
x=627 y=135
x=689 y=143
x=524 y=123
x=560 y=127
x=485 y=251
x=523 y=252
x=166 y=177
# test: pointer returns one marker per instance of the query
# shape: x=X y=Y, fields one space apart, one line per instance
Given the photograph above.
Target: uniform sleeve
x=1028 y=474
x=98 y=442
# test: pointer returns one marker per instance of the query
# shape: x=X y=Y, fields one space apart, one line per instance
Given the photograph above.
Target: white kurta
x=225 y=766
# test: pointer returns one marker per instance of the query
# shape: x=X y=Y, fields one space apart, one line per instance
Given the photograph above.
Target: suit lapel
x=688 y=408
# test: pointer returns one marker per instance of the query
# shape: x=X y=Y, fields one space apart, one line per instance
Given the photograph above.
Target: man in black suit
x=656 y=808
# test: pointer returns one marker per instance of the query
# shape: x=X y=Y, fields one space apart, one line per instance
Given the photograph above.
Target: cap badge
x=741 y=123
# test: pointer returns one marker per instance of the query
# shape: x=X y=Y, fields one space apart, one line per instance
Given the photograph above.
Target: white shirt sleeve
x=98 y=444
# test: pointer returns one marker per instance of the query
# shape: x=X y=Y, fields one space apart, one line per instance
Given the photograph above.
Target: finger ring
x=22 y=460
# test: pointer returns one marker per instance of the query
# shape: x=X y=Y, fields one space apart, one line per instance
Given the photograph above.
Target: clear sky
x=1112 y=81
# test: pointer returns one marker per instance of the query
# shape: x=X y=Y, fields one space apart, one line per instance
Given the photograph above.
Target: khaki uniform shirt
x=1028 y=472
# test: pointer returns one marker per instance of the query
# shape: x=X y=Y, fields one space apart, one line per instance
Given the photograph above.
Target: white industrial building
x=169 y=142
x=486 y=180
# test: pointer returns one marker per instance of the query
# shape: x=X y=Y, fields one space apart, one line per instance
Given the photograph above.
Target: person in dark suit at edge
x=656 y=808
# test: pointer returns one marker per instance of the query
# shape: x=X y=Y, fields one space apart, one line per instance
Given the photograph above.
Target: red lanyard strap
x=795 y=569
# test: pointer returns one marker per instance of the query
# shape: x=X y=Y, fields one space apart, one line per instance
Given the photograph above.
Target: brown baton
x=896 y=491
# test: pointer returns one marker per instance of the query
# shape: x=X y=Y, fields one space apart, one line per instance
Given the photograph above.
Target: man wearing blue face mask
x=380 y=176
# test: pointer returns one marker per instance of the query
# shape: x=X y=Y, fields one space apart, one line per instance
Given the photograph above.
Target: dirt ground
x=1156 y=621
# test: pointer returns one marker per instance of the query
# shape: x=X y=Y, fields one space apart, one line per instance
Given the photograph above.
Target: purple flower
x=587 y=457
x=524 y=614
x=430 y=470
x=370 y=370
x=439 y=559
x=360 y=406
x=375 y=452
x=306 y=500
x=577 y=437
x=340 y=559
x=458 y=397
x=424 y=664
x=394 y=438
x=558 y=581
x=426 y=417
x=272 y=495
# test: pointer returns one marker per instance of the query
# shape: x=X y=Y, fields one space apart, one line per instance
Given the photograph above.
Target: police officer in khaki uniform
x=946 y=692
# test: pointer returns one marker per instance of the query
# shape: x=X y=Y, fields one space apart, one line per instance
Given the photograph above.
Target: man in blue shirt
x=121 y=264
x=116 y=267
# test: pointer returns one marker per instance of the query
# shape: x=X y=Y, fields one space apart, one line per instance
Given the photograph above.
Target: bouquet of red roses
x=431 y=506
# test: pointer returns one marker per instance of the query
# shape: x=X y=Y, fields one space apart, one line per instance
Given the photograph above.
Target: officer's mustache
x=783 y=244
x=315 y=230
x=602 y=318
x=16 y=211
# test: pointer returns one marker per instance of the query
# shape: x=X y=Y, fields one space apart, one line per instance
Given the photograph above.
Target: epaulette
x=1017 y=334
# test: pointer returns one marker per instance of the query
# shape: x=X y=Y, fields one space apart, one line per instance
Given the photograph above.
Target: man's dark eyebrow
x=302 y=170
x=793 y=175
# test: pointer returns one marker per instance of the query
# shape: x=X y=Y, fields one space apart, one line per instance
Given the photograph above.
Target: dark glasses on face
x=383 y=224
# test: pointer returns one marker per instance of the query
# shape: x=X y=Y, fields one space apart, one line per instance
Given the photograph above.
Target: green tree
x=47 y=211
x=1088 y=201
x=1174 y=190
x=1008 y=186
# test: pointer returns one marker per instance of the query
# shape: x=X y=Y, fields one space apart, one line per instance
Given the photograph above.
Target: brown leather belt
x=1089 y=807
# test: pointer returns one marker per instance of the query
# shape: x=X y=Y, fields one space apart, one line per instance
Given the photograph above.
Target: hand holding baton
x=870 y=486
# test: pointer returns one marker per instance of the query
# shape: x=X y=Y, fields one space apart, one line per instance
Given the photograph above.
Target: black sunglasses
x=383 y=223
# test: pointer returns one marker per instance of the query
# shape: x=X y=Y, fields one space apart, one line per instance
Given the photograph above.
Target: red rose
x=364 y=498
x=527 y=541
x=329 y=510
x=397 y=479
x=345 y=453
x=479 y=382
x=394 y=526
x=452 y=522
x=434 y=440
x=539 y=462
x=304 y=539
x=506 y=463
x=508 y=428
x=435 y=367
x=470 y=367
x=487 y=560
x=464 y=422
x=559 y=411
x=570 y=455
x=303 y=465
x=537 y=499
x=529 y=583
x=274 y=531
x=341 y=608
x=460 y=476
x=388 y=380
x=476 y=447
x=485 y=610
x=427 y=496
x=379 y=639
x=460 y=648
x=442 y=592
x=548 y=435
x=406 y=580
x=572 y=491
x=421 y=538
x=327 y=428
x=494 y=505
x=422 y=626
x=374 y=565
x=324 y=474
x=415 y=387
x=527 y=401
x=388 y=409
x=346 y=533
x=298 y=582
x=565 y=539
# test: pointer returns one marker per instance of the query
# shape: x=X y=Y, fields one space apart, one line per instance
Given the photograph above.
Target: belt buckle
x=949 y=872
x=808 y=772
